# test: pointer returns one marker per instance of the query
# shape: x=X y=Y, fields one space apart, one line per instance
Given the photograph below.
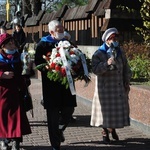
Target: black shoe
x=62 y=137
x=114 y=135
x=106 y=139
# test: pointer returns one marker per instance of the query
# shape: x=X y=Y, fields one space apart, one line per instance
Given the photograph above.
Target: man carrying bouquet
x=58 y=101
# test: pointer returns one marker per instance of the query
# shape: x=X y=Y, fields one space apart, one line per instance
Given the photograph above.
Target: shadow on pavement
x=38 y=123
x=128 y=144
x=81 y=121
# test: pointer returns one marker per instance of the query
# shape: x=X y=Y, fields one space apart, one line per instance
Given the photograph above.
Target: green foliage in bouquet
x=41 y=67
x=57 y=77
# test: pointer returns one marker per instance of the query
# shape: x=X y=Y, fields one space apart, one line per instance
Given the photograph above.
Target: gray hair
x=52 y=25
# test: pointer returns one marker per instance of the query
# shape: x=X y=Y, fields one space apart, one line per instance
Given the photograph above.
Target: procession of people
x=110 y=108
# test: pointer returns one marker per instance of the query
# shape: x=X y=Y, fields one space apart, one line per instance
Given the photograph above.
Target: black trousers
x=58 y=116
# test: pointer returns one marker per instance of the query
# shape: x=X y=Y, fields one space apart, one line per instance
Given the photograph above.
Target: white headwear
x=66 y=34
x=109 y=32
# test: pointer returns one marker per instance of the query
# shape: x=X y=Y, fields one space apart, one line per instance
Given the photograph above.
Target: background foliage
x=139 y=60
x=145 y=14
x=138 y=54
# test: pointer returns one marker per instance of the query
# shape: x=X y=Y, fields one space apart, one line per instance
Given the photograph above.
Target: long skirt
x=96 y=114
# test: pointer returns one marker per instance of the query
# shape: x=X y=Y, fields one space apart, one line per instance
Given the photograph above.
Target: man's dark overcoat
x=54 y=94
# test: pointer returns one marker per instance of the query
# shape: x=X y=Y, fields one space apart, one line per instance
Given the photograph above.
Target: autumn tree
x=31 y=7
x=71 y=3
x=145 y=14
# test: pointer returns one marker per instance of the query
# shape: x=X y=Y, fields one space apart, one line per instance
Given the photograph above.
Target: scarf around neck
x=104 y=48
x=10 y=60
x=50 y=39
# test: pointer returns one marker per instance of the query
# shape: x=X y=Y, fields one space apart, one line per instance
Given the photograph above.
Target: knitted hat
x=108 y=33
x=4 y=37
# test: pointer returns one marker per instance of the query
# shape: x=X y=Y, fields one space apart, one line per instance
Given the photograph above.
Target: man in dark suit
x=58 y=101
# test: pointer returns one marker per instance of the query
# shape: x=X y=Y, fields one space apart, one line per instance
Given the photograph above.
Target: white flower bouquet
x=66 y=64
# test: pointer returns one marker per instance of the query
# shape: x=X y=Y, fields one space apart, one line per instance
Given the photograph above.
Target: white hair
x=52 y=25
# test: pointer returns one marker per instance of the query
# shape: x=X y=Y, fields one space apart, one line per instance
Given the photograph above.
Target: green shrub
x=138 y=56
x=140 y=67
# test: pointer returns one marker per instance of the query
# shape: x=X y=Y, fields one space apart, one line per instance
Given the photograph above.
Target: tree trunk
x=35 y=6
x=26 y=7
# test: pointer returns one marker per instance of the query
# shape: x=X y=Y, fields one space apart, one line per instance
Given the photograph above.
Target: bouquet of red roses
x=66 y=64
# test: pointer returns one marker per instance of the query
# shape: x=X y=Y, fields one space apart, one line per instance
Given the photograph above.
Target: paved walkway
x=79 y=135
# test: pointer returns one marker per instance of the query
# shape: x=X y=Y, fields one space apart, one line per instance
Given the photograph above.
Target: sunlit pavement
x=79 y=135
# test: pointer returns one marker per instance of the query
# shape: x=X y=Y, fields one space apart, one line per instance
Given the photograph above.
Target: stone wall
x=140 y=106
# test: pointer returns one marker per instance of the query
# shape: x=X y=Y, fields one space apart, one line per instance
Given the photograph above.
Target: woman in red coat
x=13 y=120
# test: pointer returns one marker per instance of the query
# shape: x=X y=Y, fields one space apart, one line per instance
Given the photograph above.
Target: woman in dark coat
x=20 y=37
x=110 y=65
x=58 y=101
x=13 y=120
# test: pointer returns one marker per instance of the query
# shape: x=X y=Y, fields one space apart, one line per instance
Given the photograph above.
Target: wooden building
x=87 y=23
